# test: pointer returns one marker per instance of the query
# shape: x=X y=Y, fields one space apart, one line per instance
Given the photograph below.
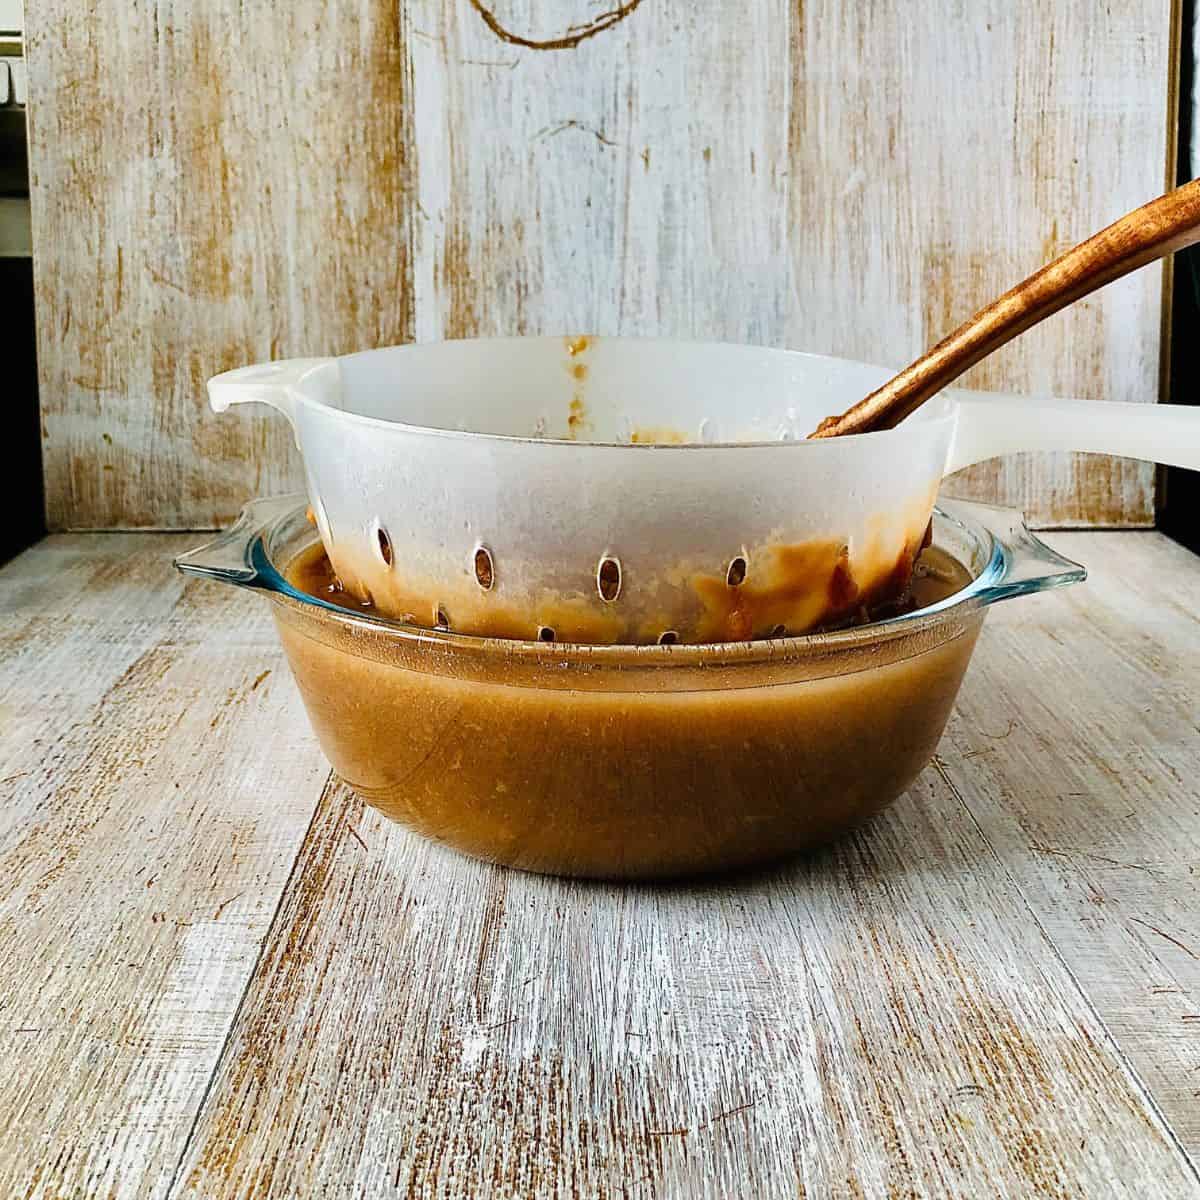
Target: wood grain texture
x=990 y=990
x=291 y=179
x=157 y=778
x=887 y=1019
x=1157 y=230
x=978 y=134
x=1076 y=749
x=211 y=185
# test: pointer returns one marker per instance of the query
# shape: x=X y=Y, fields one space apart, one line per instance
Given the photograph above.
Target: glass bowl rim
x=1015 y=562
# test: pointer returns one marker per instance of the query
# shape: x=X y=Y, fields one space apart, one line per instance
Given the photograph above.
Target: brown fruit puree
x=629 y=763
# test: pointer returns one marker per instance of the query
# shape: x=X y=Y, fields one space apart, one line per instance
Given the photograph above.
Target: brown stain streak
x=288 y=953
x=724 y=1116
x=576 y=416
x=225 y=904
x=489 y=934
x=569 y=40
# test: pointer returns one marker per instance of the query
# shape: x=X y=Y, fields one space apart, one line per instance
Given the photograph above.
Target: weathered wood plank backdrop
x=221 y=183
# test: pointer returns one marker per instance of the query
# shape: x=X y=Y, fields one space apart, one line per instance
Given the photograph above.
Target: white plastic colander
x=627 y=490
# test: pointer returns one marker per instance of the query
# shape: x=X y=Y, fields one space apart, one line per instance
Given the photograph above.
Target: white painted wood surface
x=994 y=989
x=1075 y=748
x=157 y=779
x=301 y=178
x=211 y=185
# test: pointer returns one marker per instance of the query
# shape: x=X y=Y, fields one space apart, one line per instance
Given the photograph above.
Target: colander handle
x=276 y=383
x=991 y=426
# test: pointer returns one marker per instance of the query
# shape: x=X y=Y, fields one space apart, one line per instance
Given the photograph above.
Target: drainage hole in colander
x=385 y=544
x=736 y=575
x=608 y=579
x=485 y=570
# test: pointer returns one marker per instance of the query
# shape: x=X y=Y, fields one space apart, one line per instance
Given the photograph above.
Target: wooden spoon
x=1153 y=231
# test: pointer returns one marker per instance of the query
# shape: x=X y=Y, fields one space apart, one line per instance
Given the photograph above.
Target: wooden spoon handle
x=1153 y=231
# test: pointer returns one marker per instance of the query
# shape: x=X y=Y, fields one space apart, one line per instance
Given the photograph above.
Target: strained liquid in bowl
x=586 y=761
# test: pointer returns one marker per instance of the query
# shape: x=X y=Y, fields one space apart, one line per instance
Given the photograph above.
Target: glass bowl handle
x=1029 y=564
x=228 y=556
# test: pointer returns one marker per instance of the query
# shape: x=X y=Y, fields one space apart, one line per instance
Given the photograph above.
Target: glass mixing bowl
x=631 y=762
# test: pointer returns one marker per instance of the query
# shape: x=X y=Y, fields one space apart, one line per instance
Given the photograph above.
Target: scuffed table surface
x=224 y=977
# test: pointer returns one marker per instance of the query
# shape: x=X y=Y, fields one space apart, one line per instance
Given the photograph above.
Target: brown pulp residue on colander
x=801 y=587
x=790 y=595
x=577 y=418
x=658 y=435
x=578 y=421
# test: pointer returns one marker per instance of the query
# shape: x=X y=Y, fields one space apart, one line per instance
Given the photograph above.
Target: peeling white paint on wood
x=157 y=779
x=1075 y=748
x=885 y=1019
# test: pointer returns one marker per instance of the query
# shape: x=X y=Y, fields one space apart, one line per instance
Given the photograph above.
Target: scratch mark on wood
x=554 y=130
x=1163 y=934
x=225 y=904
x=1012 y=724
x=160 y=278
x=1039 y=848
x=489 y=937
x=724 y=1116
x=569 y=40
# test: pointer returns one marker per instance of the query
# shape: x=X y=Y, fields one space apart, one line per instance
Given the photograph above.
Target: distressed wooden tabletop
x=223 y=977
